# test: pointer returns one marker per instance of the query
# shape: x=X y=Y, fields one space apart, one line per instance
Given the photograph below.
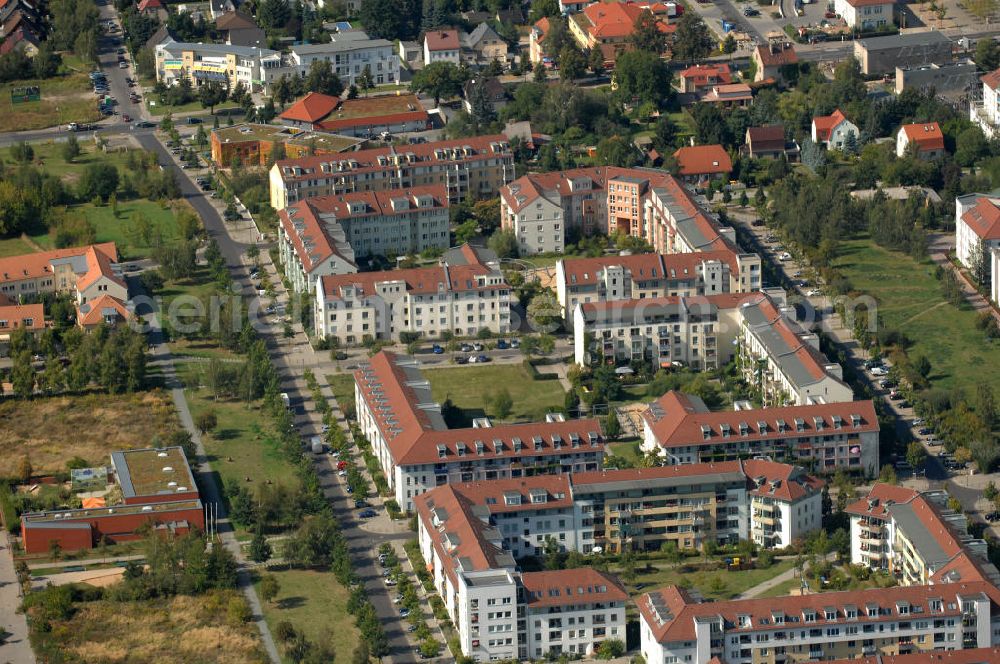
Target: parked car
x=465 y=348
x=390 y=582
x=404 y=612
x=502 y=344
x=992 y=517
x=341 y=465
x=461 y=359
x=342 y=473
x=515 y=343
x=194 y=120
x=814 y=292
x=437 y=349
x=126 y=118
x=477 y=347
x=358 y=503
x=367 y=514
x=924 y=431
x=895 y=396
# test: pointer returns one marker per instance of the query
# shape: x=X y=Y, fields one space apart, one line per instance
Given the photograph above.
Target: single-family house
x=768 y=142
x=442 y=46
x=698 y=78
x=770 y=59
x=925 y=136
x=729 y=96
x=494 y=92
x=236 y=28
x=833 y=130
x=865 y=14
x=483 y=45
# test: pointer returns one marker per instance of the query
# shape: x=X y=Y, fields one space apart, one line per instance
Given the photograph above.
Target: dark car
x=905 y=404
x=194 y=120
x=341 y=355
x=502 y=345
x=924 y=431
x=992 y=517
x=437 y=349
x=367 y=514
x=358 y=504
x=461 y=359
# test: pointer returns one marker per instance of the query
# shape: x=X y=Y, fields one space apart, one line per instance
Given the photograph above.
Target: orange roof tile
x=992 y=79
x=971 y=656
x=927 y=135
x=777 y=55
x=442 y=40
x=311 y=108
x=983 y=219
x=15 y=315
x=93 y=313
x=702 y=75
x=703 y=160
x=781 y=480
x=825 y=124
x=493 y=493
x=583 y=585
x=614 y=20
x=32 y=266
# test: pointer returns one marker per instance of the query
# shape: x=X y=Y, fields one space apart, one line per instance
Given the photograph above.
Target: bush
x=284 y=631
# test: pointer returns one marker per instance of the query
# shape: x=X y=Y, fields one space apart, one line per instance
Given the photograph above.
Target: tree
x=544 y=312
x=986 y=409
x=595 y=61
x=812 y=155
x=322 y=79
x=729 y=44
x=391 y=19
x=483 y=112
x=260 y=548
x=365 y=81
x=916 y=454
x=922 y=365
x=504 y=243
x=206 y=421
x=502 y=404
x=70 y=149
x=617 y=151
x=612 y=427
x=22 y=152
x=212 y=94
x=643 y=76
x=269 y=587
x=46 y=62
x=25 y=469
x=571 y=63
x=692 y=40
x=888 y=475
x=610 y=649
x=438 y=79
x=273 y=14
x=647 y=35
x=987 y=49
x=98 y=180
x=22 y=375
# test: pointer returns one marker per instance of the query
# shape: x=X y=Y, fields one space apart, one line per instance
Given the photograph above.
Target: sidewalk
x=16 y=648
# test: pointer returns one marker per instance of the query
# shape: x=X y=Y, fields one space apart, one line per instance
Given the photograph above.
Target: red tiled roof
x=992 y=79
x=480 y=147
x=414 y=440
x=703 y=160
x=659 y=472
x=781 y=480
x=542 y=25
x=14 y=316
x=583 y=585
x=675 y=621
x=32 y=266
x=374 y=120
x=234 y=20
x=881 y=495
x=558 y=493
x=312 y=108
x=700 y=75
x=418 y=280
x=150 y=4
x=682 y=420
x=927 y=135
x=825 y=124
x=98 y=266
x=983 y=219
x=652 y=306
x=614 y=20
x=442 y=40
x=778 y=55
x=92 y=313
x=312 y=245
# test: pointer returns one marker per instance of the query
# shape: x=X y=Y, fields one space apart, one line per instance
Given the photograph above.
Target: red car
x=341 y=465
x=127 y=118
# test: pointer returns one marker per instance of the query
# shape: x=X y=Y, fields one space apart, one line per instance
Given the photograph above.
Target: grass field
x=181 y=630
x=470 y=387
x=316 y=604
x=88 y=426
x=782 y=589
x=628 y=450
x=14 y=246
x=717 y=584
x=65 y=98
x=190 y=107
x=49 y=159
x=909 y=299
x=342 y=385
x=241 y=445
x=122 y=229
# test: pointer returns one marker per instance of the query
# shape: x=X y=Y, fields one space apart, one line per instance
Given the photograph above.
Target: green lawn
x=66 y=98
x=14 y=246
x=124 y=228
x=717 y=584
x=342 y=385
x=190 y=107
x=469 y=388
x=782 y=589
x=316 y=604
x=909 y=299
x=48 y=158
x=627 y=450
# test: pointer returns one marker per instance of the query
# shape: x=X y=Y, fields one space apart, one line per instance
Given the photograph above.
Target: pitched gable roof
x=992 y=79
x=825 y=124
x=702 y=75
x=776 y=55
x=983 y=219
x=312 y=108
x=99 y=310
x=927 y=135
x=703 y=160
x=234 y=21
x=766 y=138
x=442 y=40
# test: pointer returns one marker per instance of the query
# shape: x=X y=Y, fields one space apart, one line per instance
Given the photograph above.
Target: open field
x=782 y=589
x=316 y=604
x=195 y=106
x=122 y=228
x=469 y=389
x=909 y=299
x=88 y=426
x=65 y=98
x=718 y=584
x=49 y=159
x=241 y=446
x=181 y=630
x=14 y=246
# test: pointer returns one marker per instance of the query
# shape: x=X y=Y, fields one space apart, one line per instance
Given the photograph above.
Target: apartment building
x=881 y=55
x=500 y=612
x=430 y=301
x=476 y=166
x=641 y=276
x=986 y=113
x=86 y=273
x=644 y=508
x=541 y=208
x=349 y=53
x=417 y=451
x=977 y=239
x=971 y=656
x=13 y=317
x=824 y=437
x=781 y=360
x=915 y=536
x=323 y=235
x=883 y=622
x=696 y=332
x=252 y=144
x=203 y=63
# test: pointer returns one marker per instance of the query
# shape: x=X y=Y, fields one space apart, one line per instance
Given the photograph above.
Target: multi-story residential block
x=323 y=235
x=823 y=437
x=84 y=272
x=971 y=656
x=431 y=301
x=541 y=209
x=476 y=166
x=783 y=361
x=642 y=276
x=915 y=536
x=644 y=508
x=367 y=117
x=986 y=113
x=202 y=63
x=252 y=143
x=926 y=137
x=349 y=53
x=498 y=611
x=881 y=622
x=697 y=331
x=13 y=317
x=865 y=14
x=609 y=26
x=417 y=451
x=977 y=239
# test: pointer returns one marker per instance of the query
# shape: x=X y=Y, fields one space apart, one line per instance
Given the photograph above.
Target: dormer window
x=837 y=421
x=574 y=440
x=517 y=444
x=778 y=617
x=512 y=498
x=497 y=446
x=936 y=606
x=743 y=621
x=851 y=612
x=830 y=614
x=800 y=424
x=725 y=430
x=903 y=608
x=781 y=426
x=593 y=437
x=556 y=441
x=460 y=449
x=761 y=426
x=442 y=451
x=480 y=448
x=808 y=616
x=818 y=423
x=537 y=442
x=706 y=431
x=872 y=610
x=855 y=421
x=538 y=497
x=744 y=429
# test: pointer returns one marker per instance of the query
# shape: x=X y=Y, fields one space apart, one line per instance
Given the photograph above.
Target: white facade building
x=865 y=14
x=442 y=46
x=349 y=53
x=977 y=238
x=202 y=63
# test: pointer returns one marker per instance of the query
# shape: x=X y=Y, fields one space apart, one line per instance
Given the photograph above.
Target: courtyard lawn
x=342 y=386
x=316 y=604
x=628 y=451
x=909 y=299
x=470 y=387
x=718 y=584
